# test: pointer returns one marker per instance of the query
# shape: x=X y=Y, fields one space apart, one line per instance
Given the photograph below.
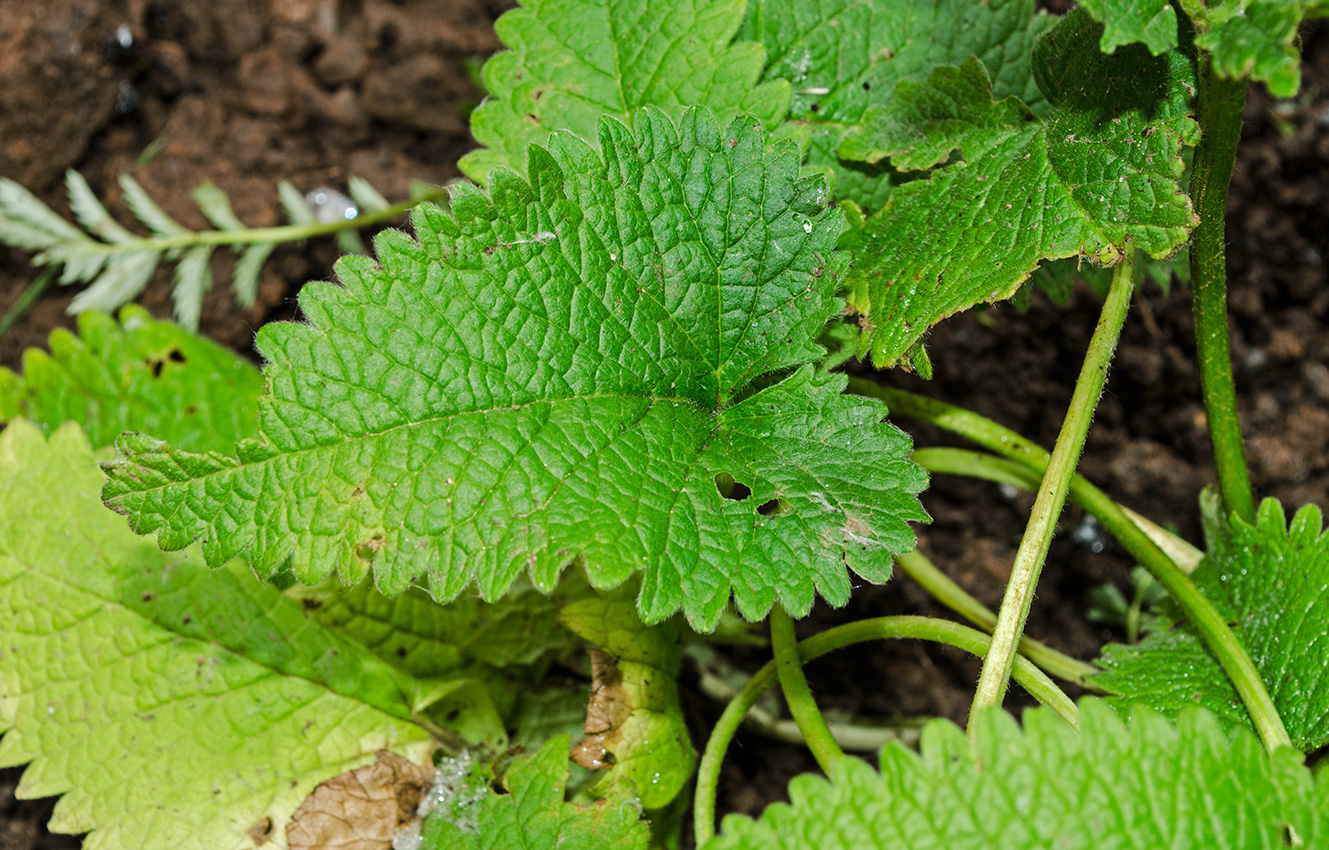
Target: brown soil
x=247 y=92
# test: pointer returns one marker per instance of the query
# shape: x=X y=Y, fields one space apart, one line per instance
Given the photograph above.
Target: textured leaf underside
x=570 y=62
x=558 y=376
x=1097 y=178
x=1273 y=580
x=173 y=706
x=416 y=634
x=1246 y=39
x=844 y=56
x=136 y=375
x=1146 y=785
x=532 y=813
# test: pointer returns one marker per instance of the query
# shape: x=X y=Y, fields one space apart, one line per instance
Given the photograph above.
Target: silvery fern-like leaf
x=116 y=264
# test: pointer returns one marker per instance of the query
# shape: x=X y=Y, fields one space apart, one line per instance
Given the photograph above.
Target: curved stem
x=1198 y=609
x=1032 y=679
x=1029 y=558
x=1219 y=107
x=949 y=461
x=864 y=737
x=954 y=597
x=802 y=705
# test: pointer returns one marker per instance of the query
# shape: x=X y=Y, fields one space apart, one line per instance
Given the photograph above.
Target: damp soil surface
x=244 y=93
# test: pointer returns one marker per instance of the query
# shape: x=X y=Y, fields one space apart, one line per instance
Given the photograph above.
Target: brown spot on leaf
x=361 y=809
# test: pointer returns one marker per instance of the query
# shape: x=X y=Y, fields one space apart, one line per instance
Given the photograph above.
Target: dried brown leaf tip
x=360 y=809
x=608 y=708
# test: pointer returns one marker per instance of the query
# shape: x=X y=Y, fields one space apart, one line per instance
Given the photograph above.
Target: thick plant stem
x=802 y=705
x=1029 y=558
x=1032 y=679
x=1199 y=610
x=954 y=597
x=1219 y=104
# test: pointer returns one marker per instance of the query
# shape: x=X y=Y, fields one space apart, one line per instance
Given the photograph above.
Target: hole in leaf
x=1290 y=836
x=401 y=652
x=175 y=356
x=609 y=758
x=731 y=489
x=261 y=832
x=369 y=548
x=775 y=507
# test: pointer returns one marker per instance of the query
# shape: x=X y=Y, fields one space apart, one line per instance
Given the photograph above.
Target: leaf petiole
x=1035 y=681
x=949 y=461
x=802 y=705
x=1029 y=558
x=1219 y=108
x=954 y=597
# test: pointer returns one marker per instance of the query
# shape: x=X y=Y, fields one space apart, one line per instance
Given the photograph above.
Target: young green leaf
x=138 y=374
x=561 y=374
x=1146 y=784
x=1246 y=39
x=572 y=61
x=470 y=815
x=844 y=56
x=1151 y=22
x=173 y=706
x=1274 y=581
x=1097 y=178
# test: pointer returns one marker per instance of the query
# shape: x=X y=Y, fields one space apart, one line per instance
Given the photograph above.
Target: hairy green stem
x=954 y=597
x=802 y=705
x=1035 y=681
x=1206 y=619
x=26 y=299
x=284 y=233
x=1219 y=107
x=949 y=461
x=1213 y=629
x=1029 y=558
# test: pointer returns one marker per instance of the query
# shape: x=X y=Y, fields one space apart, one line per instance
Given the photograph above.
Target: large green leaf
x=138 y=374
x=1097 y=178
x=1246 y=39
x=1151 y=784
x=844 y=56
x=563 y=373
x=173 y=706
x=572 y=61
x=1273 y=581
x=470 y=815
